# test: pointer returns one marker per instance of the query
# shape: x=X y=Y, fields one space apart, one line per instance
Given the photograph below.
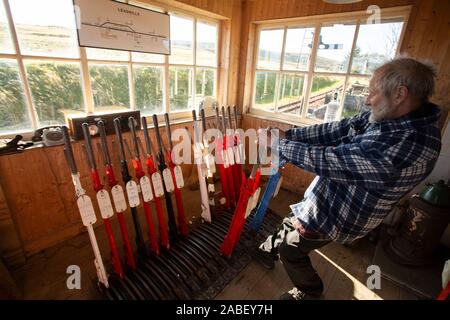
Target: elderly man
x=364 y=166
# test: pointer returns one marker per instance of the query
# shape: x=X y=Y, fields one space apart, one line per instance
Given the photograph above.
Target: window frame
x=84 y=62
x=315 y=22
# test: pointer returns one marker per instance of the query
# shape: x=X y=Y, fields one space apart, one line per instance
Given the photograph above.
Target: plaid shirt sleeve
x=326 y=134
x=355 y=163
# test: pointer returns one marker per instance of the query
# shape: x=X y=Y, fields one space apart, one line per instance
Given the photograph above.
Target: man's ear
x=401 y=94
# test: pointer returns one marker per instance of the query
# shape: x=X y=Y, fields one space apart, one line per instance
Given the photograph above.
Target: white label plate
x=119 y=198
x=230 y=156
x=146 y=188
x=133 y=194
x=104 y=203
x=242 y=152
x=86 y=209
x=179 y=177
x=168 y=181
x=224 y=159
x=210 y=163
x=237 y=156
x=157 y=184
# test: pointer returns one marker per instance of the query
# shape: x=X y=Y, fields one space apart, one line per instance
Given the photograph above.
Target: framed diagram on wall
x=113 y=25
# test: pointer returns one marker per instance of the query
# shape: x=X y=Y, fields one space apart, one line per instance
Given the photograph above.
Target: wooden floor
x=342 y=269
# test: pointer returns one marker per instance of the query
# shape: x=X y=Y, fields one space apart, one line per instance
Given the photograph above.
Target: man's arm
x=326 y=134
x=356 y=163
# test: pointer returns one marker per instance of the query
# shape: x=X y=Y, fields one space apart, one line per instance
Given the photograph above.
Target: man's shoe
x=266 y=259
x=296 y=294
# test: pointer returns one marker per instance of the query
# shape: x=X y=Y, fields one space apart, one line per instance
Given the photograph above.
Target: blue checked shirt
x=362 y=168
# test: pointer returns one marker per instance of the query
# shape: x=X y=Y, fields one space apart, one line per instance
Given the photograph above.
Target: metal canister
x=422 y=226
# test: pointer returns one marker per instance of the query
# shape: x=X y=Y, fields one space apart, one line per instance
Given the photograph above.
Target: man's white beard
x=381 y=113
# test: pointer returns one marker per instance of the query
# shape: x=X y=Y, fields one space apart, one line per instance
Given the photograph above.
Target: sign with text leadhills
x=113 y=25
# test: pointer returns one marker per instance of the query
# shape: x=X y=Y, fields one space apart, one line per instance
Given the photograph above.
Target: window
x=45 y=76
x=193 y=62
x=148 y=88
x=55 y=89
x=13 y=110
x=318 y=69
x=282 y=91
x=45 y=27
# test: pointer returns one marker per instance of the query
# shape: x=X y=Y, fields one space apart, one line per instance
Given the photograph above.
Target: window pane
x=147 y=57
x=6 y=45
x=56 y=90
x=13 y=110
x=206 y=44
x=269 y=51
x=148 y=89
x=181 y=39
x=110 y=87
x=290 y=97
x=265 y=90
x=298 y=48
x=324 y=90
x=45 y=27
x=107 y=54
x=376 y=44
x=355 y=94
x=335 y=44
x=204 y=84
x=180 y=89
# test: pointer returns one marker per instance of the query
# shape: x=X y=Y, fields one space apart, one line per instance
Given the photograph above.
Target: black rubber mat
x=193 y=268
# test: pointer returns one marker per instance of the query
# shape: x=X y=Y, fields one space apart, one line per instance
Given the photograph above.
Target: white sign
x=168 y=181
x=104 y=203
x=179 y=177
x=112 y=25
x=157 y=184
x=146 y=188
x=133 y=194
x=119 y=198
x=86 y=209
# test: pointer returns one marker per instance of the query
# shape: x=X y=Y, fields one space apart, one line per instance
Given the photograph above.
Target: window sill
x=283 y=118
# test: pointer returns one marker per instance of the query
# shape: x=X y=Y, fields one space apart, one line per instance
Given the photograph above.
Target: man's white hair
x=417 y=76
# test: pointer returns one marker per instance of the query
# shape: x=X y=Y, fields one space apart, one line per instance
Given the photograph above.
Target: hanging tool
x=247 y=201
x=85 y=207
x=168 y=185
x=229 y=156
x=157 y=187
x=239 y=150
x=103 y=200
x=131 y=188
x=118 y=196
x=222 y=161
x=178 y=182
x=201 y=169
x=145 y=190
x=208 y=159
x=271 y=191
x=231 y=150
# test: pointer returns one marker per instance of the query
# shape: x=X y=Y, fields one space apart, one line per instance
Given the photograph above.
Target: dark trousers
x=293 y=249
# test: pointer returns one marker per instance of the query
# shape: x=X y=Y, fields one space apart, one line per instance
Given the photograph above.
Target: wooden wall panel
x=213 y=8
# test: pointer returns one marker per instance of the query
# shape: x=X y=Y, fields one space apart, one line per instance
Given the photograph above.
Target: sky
x=60 y=13
x=372 y=38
